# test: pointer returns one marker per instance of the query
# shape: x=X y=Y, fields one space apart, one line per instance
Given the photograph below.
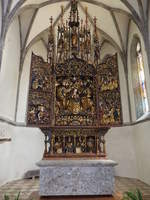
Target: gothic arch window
x=138 y=79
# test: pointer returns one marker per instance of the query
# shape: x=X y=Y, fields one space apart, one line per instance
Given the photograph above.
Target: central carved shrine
x=74 y=98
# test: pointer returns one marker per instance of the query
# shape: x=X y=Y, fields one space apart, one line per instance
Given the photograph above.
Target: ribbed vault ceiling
x=113 y=18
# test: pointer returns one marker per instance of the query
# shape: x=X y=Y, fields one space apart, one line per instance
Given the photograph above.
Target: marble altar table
x=76 y=177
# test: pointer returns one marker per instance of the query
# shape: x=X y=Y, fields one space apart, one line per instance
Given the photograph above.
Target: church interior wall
x=134 y=32
x=22 y=153
x=128 y=145
x=140 y=131
x=120 y=147
x=101 y=13
x=41 y=21
x=9 y=71
x=142 y=149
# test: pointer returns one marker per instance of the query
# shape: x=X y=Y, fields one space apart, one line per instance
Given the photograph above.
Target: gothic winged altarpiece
x=74 y=98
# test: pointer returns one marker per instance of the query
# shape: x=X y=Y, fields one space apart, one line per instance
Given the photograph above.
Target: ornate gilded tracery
x=109 y=92
x=75 y=101
x=73 y=97
x=74 y=143
x=40 y=89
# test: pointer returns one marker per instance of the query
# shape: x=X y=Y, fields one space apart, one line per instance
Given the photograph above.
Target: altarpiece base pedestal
x=76 y=177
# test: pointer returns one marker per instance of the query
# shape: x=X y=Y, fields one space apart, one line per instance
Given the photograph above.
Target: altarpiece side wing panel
x=40 y=88
x=109 y=92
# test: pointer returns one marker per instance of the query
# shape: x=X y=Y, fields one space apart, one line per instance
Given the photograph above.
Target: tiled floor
x=28 y=187
x=127 y=184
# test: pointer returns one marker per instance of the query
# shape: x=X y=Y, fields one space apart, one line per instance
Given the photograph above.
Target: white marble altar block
x=76 y=177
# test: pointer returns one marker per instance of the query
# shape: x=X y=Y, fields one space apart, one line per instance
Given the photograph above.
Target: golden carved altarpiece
x=73 y=97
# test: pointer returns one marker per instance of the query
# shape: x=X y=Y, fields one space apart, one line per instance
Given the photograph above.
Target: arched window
x=141 y=75
x=138 y=78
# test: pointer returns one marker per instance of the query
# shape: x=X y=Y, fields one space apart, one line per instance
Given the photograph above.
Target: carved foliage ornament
x=78 y=93
x=39 y=106
x=109 y=92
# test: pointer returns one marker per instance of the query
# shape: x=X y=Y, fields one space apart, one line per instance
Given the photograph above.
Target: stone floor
x=28 y=189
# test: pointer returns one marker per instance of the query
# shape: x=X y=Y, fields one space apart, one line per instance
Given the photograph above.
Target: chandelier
x=74 y=39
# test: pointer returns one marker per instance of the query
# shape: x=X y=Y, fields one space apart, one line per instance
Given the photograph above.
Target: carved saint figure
x=78 y=145
x=69 y=146
x=58 y=146
x=90 y=145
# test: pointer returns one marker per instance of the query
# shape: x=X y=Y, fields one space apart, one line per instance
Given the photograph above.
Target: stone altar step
x=36 y=196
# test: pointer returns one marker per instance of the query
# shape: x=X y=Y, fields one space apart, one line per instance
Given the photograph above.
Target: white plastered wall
x=21 y=154
x=27 y=145
x=130 y=147
x=141 y=131
x=9 y=71
x=142 y=148
x=120 y=147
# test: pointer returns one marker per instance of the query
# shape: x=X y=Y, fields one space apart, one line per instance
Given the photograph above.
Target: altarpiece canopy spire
x=74 y=38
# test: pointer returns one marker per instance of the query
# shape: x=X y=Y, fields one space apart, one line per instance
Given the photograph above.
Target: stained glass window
x=141 y=100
